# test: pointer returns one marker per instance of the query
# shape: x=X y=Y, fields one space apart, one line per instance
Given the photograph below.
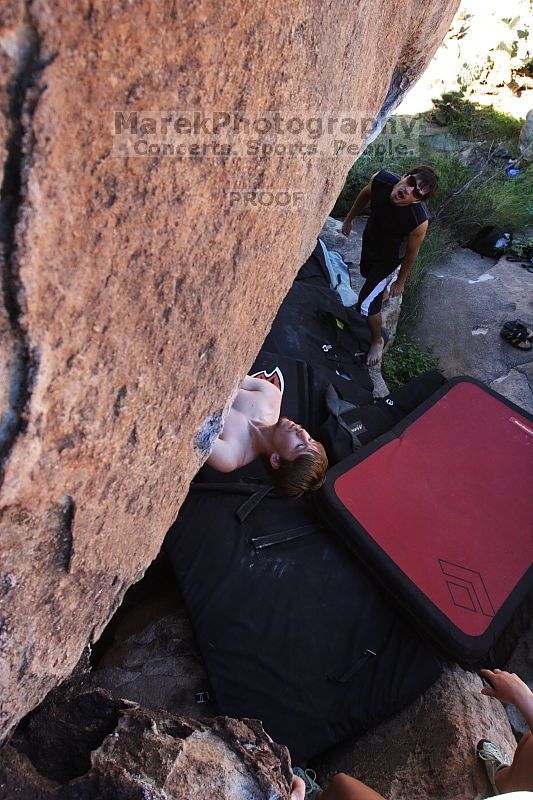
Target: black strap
x=244 y=510
x=225 y=488
x=338 y=407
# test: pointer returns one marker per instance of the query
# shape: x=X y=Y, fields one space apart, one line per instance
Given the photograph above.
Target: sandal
x=517 y=334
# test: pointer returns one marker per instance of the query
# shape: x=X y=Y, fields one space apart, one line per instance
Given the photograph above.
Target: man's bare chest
x=257 y=407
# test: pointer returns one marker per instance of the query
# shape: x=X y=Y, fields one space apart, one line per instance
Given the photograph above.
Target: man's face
x=408 y=191
x=290 y=440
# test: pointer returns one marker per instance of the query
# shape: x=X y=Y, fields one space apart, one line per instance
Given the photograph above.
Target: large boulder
x=148 y=653
x=138 y=285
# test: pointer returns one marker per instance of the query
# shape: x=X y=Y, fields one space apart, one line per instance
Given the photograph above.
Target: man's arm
x=414 y=242
x=361 y=202
x=225 y=455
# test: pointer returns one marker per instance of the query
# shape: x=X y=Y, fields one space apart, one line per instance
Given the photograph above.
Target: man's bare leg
x=343 y=787
x=378 y=342
x=518 y=776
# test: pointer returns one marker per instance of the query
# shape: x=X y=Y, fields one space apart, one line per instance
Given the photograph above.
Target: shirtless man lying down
x=253 y=427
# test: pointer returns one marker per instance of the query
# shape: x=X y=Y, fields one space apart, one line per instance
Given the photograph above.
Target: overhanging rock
x=138 y=286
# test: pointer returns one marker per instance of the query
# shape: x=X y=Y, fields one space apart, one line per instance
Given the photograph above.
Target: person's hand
x=297 y=788
x=347 y=226
x=396 y=289
x=508 y=687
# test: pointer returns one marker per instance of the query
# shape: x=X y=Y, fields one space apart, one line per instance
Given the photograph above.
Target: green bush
x=511 y=200
x=405 y=360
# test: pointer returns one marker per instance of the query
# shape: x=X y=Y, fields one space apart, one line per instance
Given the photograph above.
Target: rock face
x=148 y=653
x=92 y=746
x=142 y=268
x=428 y=751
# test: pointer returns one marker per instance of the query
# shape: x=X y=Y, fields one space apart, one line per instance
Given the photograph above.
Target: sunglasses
x=418 y=193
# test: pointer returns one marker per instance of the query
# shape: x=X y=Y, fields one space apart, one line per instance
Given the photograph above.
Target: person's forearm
x=407 y=265
x=507 y=687
x=361 y=202
x=524 y=704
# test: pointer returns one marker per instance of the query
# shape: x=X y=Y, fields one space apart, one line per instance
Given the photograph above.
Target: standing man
x=393 y=235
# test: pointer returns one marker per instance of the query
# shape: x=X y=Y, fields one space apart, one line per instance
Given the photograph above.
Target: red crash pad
x=441 y=508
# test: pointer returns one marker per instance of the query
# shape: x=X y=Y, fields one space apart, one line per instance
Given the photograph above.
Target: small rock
x=525 y=142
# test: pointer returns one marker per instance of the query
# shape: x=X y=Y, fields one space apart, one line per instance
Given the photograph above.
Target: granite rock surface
x=465 y=300
x=148 y=653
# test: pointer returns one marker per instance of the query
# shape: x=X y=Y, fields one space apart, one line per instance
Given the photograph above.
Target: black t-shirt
x=384 y=237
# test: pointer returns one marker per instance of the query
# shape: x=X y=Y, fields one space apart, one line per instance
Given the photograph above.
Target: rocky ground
x=90 y=736
x=463 y=304
x=481 y=56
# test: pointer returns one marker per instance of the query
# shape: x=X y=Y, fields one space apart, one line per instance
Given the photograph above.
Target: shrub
x=405 y=360
x=474 y=122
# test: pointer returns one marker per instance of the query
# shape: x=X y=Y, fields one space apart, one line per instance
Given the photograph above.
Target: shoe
x=518 y=334
x=309 y=778
x=493 y=759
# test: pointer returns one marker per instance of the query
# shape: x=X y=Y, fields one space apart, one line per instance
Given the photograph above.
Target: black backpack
x=490 y=241
x=349 y=427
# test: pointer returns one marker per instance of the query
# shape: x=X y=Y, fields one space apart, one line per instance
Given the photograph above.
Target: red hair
x=306 y=473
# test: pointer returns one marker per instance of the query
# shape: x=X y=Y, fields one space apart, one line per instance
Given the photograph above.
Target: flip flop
x=518 y=334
